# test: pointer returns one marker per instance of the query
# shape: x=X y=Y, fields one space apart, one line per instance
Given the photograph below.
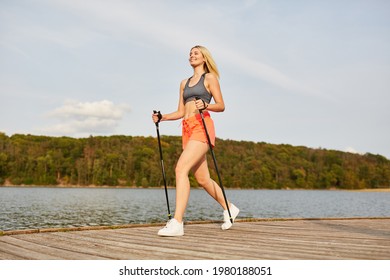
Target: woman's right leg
x=191 y=155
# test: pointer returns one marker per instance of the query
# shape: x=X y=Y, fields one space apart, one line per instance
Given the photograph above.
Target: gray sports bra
x=198 y=90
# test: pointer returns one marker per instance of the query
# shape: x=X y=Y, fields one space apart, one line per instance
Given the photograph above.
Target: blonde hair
x=210 y=66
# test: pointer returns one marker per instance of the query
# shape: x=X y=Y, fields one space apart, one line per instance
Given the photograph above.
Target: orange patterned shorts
x=192 y=129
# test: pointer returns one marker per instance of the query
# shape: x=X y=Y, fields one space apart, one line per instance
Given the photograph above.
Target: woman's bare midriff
x=190 y=109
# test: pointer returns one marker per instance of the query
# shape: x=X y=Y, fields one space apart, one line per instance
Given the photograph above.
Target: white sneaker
x=173 y=228
x=234 y=211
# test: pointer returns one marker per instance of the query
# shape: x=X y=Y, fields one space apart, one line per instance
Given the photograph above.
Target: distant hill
x=134 y=161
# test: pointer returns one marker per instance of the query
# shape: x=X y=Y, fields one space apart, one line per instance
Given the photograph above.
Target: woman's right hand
x=156 y=116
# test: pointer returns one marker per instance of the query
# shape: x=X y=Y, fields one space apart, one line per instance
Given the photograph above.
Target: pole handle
x=204 y=104
x=158 y=115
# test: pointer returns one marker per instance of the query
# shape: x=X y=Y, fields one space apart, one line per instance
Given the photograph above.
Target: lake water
x=27 y=208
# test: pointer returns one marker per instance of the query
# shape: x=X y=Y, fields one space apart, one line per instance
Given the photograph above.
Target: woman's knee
x=181 y=170
x=203 y=180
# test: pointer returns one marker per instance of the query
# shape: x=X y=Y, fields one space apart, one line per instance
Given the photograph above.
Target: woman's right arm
x=180 y=109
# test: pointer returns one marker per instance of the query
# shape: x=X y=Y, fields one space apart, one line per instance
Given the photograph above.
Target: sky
x=304 y=73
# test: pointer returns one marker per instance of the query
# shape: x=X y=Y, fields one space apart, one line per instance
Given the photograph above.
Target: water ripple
x=29 y=208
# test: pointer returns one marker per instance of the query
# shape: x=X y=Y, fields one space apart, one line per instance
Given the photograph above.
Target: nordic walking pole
x=162 y=161
x=215 y=161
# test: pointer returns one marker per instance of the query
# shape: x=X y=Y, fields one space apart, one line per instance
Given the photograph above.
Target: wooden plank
x=267 y=239
x=321 y=241
x=38 y=248
x=23 y=252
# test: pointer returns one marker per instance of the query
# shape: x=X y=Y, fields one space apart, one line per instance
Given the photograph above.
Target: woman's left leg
x=202 y=176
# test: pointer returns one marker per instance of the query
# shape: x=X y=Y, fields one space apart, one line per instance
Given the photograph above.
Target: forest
x=134 y=161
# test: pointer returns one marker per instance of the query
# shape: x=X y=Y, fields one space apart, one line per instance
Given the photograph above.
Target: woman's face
x=196 y=58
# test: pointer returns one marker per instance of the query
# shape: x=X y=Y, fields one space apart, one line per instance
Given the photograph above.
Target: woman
x=195 y=94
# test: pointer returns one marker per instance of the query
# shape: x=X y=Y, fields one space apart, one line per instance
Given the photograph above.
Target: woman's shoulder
x=210 y=78
x=185 y=80
x=183 y=83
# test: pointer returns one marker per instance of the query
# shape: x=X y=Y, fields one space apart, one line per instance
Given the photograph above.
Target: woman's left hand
x=200 y=104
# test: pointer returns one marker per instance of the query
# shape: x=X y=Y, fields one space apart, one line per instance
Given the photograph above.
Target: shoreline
x=196 y=222
x=172 y=187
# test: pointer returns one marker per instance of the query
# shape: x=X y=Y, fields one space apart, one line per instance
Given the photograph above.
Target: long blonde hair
x=210 y=66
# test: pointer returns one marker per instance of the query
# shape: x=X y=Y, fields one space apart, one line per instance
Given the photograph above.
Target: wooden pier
x=276 y=239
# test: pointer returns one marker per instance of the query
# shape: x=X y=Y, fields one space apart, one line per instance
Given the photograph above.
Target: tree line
x=134 y=161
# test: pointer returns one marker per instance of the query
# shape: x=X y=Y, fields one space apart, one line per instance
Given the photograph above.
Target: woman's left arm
x=212 y=84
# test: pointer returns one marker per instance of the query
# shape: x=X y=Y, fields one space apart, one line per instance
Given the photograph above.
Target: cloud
x=266 y=72
x=352 y=150
x=126 y=19
x=86 y=118
x=99 y=109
